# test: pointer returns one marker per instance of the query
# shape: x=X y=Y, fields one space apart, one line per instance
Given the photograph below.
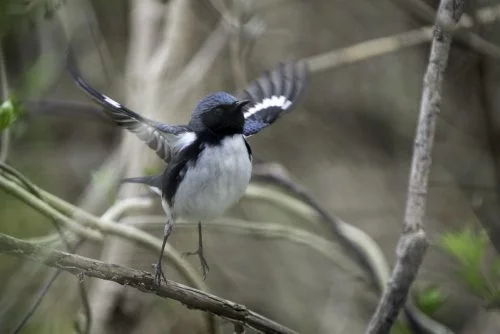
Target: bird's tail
x=154 y=181
x=148 y=180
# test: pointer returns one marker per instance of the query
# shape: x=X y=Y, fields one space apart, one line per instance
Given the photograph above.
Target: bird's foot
x=159 y=275
x=204 y=264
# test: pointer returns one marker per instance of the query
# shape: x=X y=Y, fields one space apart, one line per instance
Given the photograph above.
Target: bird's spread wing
x=163 y=139
x=272 y=95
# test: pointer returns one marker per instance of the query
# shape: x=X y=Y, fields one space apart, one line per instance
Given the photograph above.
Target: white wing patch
x=274 y=101
x=111 y=101
x=185 y=139
x=156 y=190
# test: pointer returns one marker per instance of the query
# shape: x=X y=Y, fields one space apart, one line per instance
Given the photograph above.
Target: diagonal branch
x=413 y=244
x=4 y=95
x=94 y=228
x=141 y=280
x=364 y=249
x=472 y=39
x=384 y=45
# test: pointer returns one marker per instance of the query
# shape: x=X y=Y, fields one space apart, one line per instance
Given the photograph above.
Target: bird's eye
x=218 y=111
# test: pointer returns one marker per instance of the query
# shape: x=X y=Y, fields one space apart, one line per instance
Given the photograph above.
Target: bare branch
x=199 y=65
x=269 y=230
x=413 y=243
x=363 y=247
x=4 y=145
x=70 y=247
x=384 y=45
x=40 y=296
x=4 y=95
x=141 y=280
x=473 y=40
x=55 y=208
x=48 y=211
x=368 y=49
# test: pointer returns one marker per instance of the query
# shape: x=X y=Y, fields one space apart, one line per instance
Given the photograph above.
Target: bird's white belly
x=217 y=181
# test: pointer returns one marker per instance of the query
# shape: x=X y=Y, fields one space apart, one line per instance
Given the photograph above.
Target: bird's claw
x=159 y=274
x=203 y=262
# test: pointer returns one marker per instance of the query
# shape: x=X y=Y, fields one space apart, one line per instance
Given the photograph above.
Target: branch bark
x=472 y=39
x=412 y=244
x=4 y=95
x=380 y=46
x=141 y=280
x=356 y=242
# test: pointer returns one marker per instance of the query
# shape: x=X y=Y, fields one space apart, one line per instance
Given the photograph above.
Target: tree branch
x=60 y=210
x=473 y=40
x=17 y=183
x=384 y=45
x=4 y=95
x=268 y=230
x=362 y=246
x=141 y=280
x=413 y=244
x=48 y=211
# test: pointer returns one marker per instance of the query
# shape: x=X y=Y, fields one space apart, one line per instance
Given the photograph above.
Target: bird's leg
x=204 y=265
x=158 y=267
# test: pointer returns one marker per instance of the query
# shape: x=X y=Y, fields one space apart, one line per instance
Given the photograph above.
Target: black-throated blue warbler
x=209 y=160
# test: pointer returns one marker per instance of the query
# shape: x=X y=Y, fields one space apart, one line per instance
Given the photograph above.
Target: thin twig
x=413 y=244
x=363 y=247
x=263 y=229
x=263 y=173
x=472 y=39
x=237 y=45
x=46 y=287
x=55 y=208
x=40 y=296
x=42 y=207
x=86 y=306
x=384 y=45
x=199 y=65
x=61 y=210
x=69 y=246
x=4 y=95
x=141 y=280
x=4 y=145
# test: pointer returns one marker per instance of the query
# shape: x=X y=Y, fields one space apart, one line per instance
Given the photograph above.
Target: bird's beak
x=241 y=104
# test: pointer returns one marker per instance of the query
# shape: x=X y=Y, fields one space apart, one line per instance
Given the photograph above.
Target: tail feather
x=154 y=182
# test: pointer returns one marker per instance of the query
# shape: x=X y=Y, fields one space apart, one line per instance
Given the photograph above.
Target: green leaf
x=430 y=299
x=400 y=328
x=9 y=111
x=467 y=246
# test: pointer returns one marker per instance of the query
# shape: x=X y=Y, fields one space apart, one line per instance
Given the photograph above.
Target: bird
x=209 y=161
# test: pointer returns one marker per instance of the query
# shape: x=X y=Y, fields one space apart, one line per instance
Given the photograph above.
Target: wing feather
x=162 y=138
x=272 y=95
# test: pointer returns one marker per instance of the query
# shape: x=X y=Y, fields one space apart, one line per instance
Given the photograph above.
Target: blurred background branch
x=379 y=46
x=425 y=12
x=60 y=211
x=4 y=95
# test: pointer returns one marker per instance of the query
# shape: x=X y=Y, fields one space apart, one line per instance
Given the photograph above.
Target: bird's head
x=220 y=112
